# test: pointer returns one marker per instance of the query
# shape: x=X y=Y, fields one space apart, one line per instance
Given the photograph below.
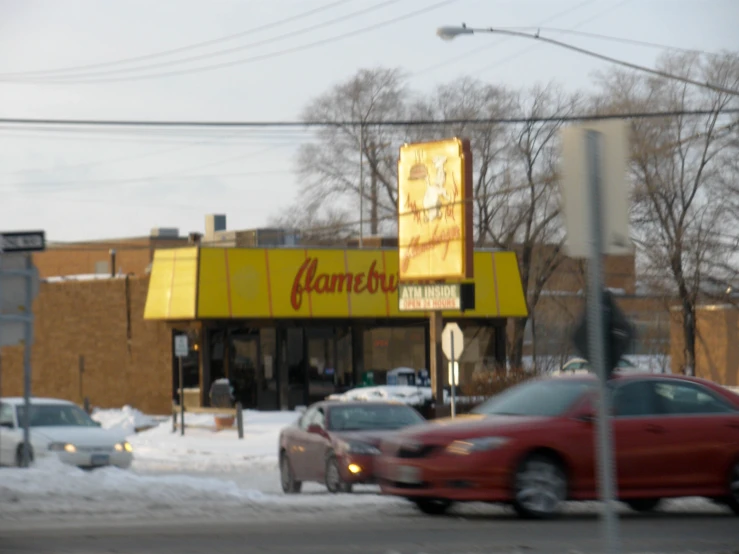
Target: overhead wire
x=528 y=49
x=180 y=49
x=261 y=57
x=8 y=121
x=219 y=53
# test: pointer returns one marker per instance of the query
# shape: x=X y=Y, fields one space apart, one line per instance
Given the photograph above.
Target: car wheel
x=287 y=477
x=733 y=498
x=540 y=487
x=643 y=504
x=433 y=506
x=19 y=455
x=334 y=482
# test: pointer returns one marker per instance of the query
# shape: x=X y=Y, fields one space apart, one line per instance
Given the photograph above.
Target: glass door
x=243 y=368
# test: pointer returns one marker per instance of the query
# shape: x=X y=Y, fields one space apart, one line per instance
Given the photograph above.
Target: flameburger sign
x=435 y=211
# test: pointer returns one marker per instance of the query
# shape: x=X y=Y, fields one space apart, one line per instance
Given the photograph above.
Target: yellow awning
x=173 y=285
x=254 y=283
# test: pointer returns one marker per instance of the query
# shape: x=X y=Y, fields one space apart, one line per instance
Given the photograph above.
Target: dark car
x=336 y=443
x=532 y=446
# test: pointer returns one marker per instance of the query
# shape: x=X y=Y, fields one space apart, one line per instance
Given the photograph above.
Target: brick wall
x=716 y=345
x=132 y=256
x=127 y=360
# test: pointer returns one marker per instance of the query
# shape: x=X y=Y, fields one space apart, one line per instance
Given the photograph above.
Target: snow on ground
x=204 y=449
x=128 y=419
x=203 y=474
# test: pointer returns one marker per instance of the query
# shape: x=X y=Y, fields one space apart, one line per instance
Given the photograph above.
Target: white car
x=59 y=428
x=581 y=365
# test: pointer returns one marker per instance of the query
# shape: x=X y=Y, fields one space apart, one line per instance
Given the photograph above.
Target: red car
x=533 y=446
x=336 y=443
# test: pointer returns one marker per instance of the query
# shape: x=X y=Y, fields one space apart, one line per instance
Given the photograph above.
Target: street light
x=448 y=33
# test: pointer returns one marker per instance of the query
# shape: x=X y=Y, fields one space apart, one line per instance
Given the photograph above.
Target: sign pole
x=28 y=341
x=182 y=398
x=596 y=339
x=454 y=382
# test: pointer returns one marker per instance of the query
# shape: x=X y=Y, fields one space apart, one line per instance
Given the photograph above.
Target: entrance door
x=328 y=361
x=244 y=367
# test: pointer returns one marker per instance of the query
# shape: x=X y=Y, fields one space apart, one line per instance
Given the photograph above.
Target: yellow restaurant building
x=290 y=326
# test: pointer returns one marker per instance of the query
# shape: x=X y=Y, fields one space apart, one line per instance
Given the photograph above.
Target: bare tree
x=679 y=209
x=329 y=166
x=525 y=215
x=470 y=99
x=318 y=225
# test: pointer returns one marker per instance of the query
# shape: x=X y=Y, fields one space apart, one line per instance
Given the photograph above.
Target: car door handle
x=733 y=425
x=655 y=429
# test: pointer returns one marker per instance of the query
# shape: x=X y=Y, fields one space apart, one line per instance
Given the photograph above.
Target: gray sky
x=83 y=184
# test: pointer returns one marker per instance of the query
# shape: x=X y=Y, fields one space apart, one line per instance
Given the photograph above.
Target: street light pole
x=450 y=33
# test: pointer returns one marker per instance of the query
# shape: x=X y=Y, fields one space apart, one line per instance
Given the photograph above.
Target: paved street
x=403 y=533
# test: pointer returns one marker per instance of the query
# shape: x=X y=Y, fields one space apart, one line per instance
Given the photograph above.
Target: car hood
x=447 y=429
x=79 y=436
x=373 y=438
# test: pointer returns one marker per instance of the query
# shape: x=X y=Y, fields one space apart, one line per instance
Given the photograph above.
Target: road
x=404 y=533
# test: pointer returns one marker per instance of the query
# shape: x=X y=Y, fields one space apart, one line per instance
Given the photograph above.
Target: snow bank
x=204 y=449
x=52 y=489
x=128 y=420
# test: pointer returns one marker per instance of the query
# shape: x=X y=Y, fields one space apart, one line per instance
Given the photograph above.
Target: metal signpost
x=593 y=174
x=181 y=350
x=19 y=284
x=452 y=338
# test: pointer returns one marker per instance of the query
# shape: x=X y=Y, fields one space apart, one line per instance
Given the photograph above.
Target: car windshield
x=371 y=417
x=56 y=415
x=544 y=398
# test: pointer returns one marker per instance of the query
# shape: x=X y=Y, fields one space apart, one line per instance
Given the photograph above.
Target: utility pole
x=361 y=186
x=19 y=284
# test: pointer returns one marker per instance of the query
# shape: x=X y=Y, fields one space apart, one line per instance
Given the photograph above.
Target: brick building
x=92 y=339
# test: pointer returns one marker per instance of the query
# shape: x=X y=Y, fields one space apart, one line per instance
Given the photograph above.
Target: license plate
x=409 y=475
x=100 y=459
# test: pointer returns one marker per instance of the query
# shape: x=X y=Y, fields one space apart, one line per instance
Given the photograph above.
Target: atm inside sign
x=419 y=298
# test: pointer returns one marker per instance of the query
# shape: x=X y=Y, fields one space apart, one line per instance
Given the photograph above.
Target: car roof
x=621 y=376
x=19 y=400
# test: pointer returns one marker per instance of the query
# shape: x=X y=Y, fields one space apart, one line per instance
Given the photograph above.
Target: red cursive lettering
x=443 y=237
x=309 y=280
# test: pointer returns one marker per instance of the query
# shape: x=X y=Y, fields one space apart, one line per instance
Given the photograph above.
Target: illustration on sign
x=435 y=221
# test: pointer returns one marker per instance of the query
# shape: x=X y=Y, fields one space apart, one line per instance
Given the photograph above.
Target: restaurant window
x=388 y=348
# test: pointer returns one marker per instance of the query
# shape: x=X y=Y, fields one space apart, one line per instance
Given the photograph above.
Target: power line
x=523 y=51
x=195 y=46
x=592 y=54
x=219 y=53
x=368 y=123
x=267 y=56
x=622 y=40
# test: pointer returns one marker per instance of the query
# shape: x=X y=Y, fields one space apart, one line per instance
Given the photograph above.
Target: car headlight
x=62 y=447
x=359 y=448
x=124 y=446
x=470 y=446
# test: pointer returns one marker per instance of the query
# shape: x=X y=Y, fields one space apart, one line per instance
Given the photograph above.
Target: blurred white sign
x=613 y=153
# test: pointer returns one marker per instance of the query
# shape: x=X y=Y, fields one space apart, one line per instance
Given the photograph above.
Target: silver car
x=62 y=429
